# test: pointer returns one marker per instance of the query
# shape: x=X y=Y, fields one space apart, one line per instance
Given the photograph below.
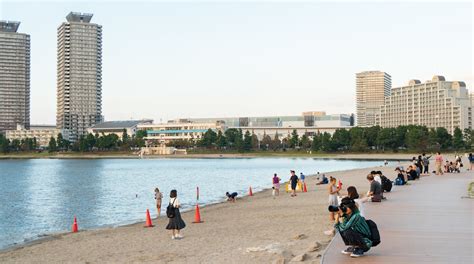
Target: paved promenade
x=425 y=222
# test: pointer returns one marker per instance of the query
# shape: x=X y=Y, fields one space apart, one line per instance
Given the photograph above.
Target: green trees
x=294 y=139
x=458 y=140
x=52 y=146
x=208 y=140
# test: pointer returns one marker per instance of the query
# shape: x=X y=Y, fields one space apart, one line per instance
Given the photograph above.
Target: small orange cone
x=148 y=219
x=250 y=191
x=197 y=216
x=74 y=225
x=304 y=188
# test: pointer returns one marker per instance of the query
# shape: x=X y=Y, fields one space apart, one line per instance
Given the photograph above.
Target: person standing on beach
x=471 y=161
x=333 y=194
x=176 y=223
x=439 y=163
x=276 y=185
x=302 y=177
x=158 y=198
x=426 y=163
x=293 y=182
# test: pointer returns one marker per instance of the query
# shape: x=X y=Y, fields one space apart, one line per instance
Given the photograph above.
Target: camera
x=333 y=209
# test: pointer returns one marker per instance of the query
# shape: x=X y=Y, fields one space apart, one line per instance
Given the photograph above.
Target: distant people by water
x=302 y=177
x=176 y=223
x=158 y=199
x=293 y=182
x=353 y=228
x=471 y=161
x=231 y=196
x=276 y=185
x=375 y=191
x=426 y=164
x=333 y=191
x=322 y=180
x=438 y=163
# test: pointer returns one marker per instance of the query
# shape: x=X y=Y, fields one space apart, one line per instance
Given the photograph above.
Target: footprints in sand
x=283 y=252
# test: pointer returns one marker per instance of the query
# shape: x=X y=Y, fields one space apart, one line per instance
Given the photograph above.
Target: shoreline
x=342 y=156
x=207 y=210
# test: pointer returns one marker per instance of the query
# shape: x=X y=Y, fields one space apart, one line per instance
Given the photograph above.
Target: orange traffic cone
x=148 y=219
x=197 y=216
x=304 y=187
x=250 y=191
x=74 y=225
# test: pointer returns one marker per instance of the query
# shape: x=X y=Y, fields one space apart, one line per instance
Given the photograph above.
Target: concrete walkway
x=425 y=222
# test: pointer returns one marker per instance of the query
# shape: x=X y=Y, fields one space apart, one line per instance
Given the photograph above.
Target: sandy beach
x=254 y=229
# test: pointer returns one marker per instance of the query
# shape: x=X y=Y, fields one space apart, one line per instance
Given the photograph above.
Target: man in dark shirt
x=293 y=182
x=375 y=191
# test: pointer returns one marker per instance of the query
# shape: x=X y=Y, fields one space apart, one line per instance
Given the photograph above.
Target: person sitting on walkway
x=231 y=196
x=375 y=192
x=411 y=173
x=324 y=180
x=471 y=161
x=400 y=180
x=353 y=228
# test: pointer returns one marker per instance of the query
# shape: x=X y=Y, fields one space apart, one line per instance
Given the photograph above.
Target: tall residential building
x=371 y=89
x=14 y=77
x=79 y=77
x=435 y=103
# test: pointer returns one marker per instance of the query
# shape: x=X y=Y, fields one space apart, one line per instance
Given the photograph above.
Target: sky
x=166 y=60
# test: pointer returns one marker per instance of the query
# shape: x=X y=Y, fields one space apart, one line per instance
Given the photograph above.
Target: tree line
x=87 y=143
x=355 y=139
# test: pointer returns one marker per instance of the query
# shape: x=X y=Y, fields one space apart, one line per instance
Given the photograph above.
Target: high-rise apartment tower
x=14 y=77
x=79 y=77
x=371 y=89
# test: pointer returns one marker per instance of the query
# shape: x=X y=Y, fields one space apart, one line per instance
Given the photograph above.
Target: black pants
x=353 y=238
x=426 y=169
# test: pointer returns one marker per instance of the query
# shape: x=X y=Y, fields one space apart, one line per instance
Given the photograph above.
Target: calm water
x=40 y=197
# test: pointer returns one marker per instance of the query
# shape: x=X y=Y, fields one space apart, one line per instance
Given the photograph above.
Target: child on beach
x=176 y=223
x=276 y=185
x=231 y=196
x=302 y=177
x=294 y=182
x=158 y=198
x=333 y=194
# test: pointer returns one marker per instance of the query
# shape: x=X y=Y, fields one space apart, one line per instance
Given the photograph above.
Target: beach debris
x=299 y=258
x=271 y=248
x=299 y=237
x=314 y=247
x=279 y=260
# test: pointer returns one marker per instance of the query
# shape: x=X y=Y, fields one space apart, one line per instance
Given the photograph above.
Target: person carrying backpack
x=175 y=223
x=354 y=229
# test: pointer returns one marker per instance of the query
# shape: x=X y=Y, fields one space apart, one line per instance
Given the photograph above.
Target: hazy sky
x=167 y=60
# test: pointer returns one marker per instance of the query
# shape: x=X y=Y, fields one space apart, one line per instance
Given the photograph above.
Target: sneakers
x=357 y=253
x=173 y=237
x=329 y=232
x=348 y=251
x=179 y=236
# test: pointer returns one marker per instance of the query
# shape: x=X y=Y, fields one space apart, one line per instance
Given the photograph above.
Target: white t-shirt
x=175 y=202
x=360 y=205
x=378 y=179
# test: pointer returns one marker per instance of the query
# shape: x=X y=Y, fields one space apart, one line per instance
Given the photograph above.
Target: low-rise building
x=117 y=127
x=158 y=134
x=435 y=103
x=42 y=133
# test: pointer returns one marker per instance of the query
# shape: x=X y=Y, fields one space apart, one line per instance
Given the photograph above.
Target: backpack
x=375 y=238
x=398 y=181
x=386 y=183
x=170 y=212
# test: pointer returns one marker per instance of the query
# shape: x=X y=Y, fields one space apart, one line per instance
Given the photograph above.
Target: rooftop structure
x=117 y=127
x=9 y=26
x=79 y=17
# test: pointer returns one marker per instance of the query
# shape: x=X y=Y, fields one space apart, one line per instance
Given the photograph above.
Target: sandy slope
x=277 y=229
